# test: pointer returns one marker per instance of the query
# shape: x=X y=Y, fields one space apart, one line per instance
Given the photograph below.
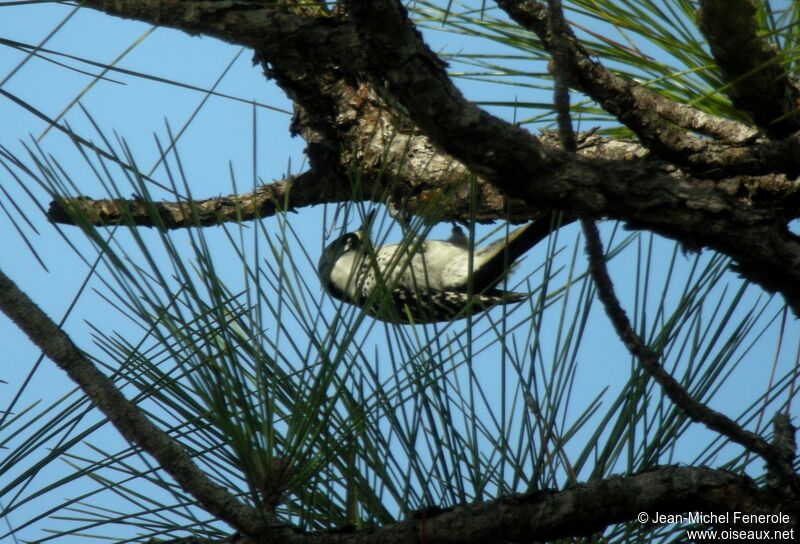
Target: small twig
x=561 y=75
x=775 y=456
x=783 y=440
x=123 y=414
x=783 y=436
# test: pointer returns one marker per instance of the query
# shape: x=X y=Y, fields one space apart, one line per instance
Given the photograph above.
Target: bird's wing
x=429 y=305
x=494 y=261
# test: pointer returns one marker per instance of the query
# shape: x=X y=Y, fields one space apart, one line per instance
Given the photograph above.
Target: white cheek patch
x=343 y=272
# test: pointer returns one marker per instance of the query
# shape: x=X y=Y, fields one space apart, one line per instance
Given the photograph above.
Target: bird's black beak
x=367 y=223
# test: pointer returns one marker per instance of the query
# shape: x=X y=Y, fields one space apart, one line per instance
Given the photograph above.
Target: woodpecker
x=424 y=281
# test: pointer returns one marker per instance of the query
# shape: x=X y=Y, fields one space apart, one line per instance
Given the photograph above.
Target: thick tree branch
x=282 y=36
x=293 y=41
x=759 y=83
x=123 y=414
x=284 y=195
x=437 y=106
x=647 y=113
x=282 y=29
x=580 y=510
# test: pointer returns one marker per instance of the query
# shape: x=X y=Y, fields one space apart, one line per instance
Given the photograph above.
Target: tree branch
x=282 y=29
x=499 y=151
x=561 y=74
x=775 y=456
x=293 y=40
x=647 y=113
x=759 y=83
x=416 y=77
x=123 y=414
x=427 y=178
x=284 y=195
x=580 y=510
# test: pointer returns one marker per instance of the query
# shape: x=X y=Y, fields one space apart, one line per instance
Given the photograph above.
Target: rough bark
x=759 y=82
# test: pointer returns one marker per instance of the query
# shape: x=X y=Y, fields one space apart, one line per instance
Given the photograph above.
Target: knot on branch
x=781 y=476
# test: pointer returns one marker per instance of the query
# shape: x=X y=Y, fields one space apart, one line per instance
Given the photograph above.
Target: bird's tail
x=494 y=262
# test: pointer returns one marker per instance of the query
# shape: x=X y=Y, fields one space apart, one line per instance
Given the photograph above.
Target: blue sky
x=218 y=146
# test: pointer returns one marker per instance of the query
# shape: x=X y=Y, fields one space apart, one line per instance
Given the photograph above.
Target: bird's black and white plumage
x=423 y=281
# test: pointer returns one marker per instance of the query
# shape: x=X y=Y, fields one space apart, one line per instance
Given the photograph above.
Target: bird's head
x=337 y=259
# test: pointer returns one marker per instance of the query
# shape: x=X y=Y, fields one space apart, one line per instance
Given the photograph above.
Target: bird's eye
x=350 y=242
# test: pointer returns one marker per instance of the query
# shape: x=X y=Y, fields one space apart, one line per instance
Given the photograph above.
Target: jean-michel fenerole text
x=722 y=518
